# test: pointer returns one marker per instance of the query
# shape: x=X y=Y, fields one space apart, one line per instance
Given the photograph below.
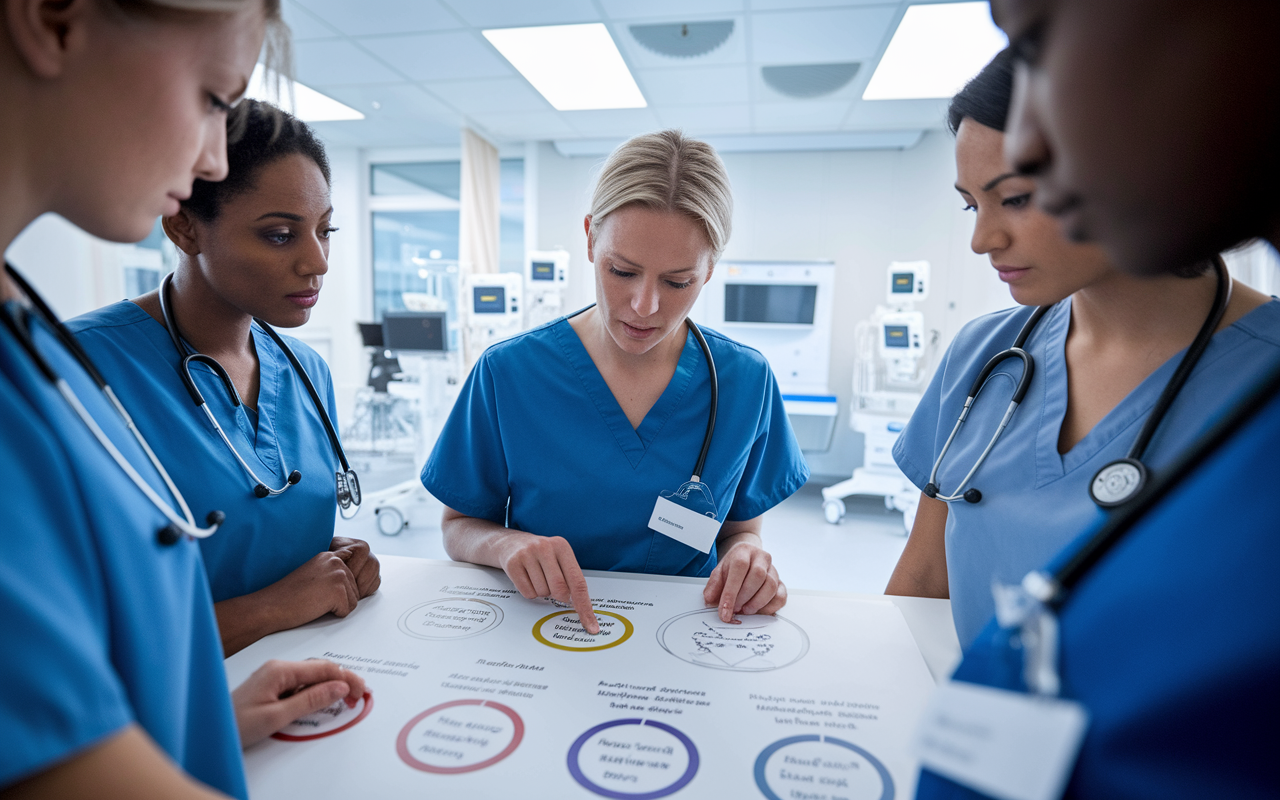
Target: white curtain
x=478 y=219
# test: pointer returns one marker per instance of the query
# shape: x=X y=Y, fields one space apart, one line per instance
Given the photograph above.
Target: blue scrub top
x=263 y=539
x=1172 y=641
x=1035 y=500
x=103 y=626
x=537 y=440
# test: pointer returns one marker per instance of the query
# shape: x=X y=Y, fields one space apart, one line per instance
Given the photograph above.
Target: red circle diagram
x=402 y=741
x=364 y=712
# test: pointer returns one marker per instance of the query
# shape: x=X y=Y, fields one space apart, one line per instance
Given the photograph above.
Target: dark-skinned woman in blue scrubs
x=253 y=246
x=112 y=663
x=565 y=436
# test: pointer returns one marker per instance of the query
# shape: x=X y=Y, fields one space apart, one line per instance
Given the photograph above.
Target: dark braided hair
x=258 y=133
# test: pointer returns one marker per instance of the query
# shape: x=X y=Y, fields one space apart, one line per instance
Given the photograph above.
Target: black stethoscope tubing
x=1119 y=481
x=20 y=329
x=715 y=391
x=346 y=481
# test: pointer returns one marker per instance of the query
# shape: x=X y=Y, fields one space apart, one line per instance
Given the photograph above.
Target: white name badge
x=684 y=525
x=1006 y=744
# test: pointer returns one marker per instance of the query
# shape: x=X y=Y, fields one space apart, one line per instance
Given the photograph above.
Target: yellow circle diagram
x=580 y=634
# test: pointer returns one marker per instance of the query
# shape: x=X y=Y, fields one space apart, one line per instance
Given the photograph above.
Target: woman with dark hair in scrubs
x=253 y=246
x=1152 y=128
x=1104 y=351
x=565 y=436
x=115 y=686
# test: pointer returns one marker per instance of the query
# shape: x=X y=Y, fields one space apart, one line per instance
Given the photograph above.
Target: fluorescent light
x=576 y=67
x=299 y=100
x=936 y=49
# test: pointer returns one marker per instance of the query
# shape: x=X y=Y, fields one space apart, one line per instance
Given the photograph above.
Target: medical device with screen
x=542 y=271
x=414 y=330
x=896 y=336
x=489 y=300
x=787 y=304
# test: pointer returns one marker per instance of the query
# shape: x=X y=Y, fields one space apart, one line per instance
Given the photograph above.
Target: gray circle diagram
x=450 y=618
x=758 y=643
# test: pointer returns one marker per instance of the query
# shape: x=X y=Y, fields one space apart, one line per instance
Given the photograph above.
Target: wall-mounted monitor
x=775 y=303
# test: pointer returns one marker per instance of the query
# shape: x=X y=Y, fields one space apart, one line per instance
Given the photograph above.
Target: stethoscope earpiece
x=261 y=490
x=972 y=496
x=294 y=478
x=168 y=535
x=931 y=490
x=215 y=519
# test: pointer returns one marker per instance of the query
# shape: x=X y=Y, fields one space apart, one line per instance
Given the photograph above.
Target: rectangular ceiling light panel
x=299 y=100
x=576 y=67
x=936 y=49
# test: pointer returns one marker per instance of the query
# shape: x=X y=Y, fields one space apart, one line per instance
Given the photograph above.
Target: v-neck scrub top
x=538 y=442
x=103 y=625
x=1034 y=500
x=263 y=538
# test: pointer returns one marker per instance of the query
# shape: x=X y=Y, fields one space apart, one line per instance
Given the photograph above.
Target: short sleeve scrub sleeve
x=104 y=625
x=1035 y=500
x=263 y=538
x=537 y=441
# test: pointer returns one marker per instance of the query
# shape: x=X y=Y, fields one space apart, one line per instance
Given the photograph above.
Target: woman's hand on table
x=280 y=692
x=361 y=561
x=745 y=581
x=545 y=566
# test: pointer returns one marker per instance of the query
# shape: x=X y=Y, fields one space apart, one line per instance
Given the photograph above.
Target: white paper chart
x=476 y=692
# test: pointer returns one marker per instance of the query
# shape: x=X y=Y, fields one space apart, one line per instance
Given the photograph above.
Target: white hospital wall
x=860 y=209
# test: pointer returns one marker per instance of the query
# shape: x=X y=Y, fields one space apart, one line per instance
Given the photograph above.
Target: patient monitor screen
x=903 y=283
x=490 y=300
x=896 y=336
x=544 y=271
x=774 y=303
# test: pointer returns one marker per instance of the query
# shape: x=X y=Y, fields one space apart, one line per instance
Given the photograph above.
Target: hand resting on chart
x=331 y=582
x=539 y=566
x=280 y=692
x=745 y=581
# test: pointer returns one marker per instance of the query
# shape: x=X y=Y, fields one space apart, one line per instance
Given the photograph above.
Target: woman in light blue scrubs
x=113 y=669
x=564 y=436
x=255 y=245
x=1103 y=353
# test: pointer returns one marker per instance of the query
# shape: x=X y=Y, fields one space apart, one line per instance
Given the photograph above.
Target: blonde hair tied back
x=667 y=171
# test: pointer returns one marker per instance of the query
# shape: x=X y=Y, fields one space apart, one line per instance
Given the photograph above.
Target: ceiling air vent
x=683 y=39
x=803 y=81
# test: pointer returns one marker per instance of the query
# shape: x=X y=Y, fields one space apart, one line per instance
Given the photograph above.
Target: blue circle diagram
x=762 y=761
x=575 y=768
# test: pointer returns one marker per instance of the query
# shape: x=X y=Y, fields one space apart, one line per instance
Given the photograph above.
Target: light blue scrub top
x=263 y=539
x=1035 y=500
x=537 y=427
x=103 y=626
x=1172 y=641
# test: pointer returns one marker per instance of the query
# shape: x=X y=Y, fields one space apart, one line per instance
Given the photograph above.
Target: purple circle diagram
x=638 y=763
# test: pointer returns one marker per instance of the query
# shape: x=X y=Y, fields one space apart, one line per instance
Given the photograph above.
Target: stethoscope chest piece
x=1117 y=482
x=348 y=488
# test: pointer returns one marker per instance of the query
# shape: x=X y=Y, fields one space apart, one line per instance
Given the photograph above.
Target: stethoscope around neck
x=1120 y=480
x=19 y=324
x=347 y=483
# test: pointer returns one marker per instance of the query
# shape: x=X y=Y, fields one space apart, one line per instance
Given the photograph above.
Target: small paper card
x=685 y=525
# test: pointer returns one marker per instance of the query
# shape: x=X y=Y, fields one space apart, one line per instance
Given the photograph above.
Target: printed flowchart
x=477 y=692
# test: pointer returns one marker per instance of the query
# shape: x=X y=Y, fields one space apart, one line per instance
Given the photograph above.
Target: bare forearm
x=246 y=619
x=922 y=569
x=745 y=531
x=475 y=540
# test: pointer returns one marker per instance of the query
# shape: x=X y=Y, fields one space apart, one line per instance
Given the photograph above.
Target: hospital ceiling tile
x=455 y=55
x=399 y=101
x=789 y=5
x=820 y=36
x=625 y=122
x=303 y=25
x=519 y=13
x=897 y=115
x=339 y=63
x=707 y=120
x=533 y=125
x=694 y=85
x=670 y=10
x=385 y=133
x=508 y=95
x=383 y=16
x=799 y=116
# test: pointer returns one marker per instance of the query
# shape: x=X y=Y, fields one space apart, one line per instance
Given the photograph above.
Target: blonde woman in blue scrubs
x=565 y=436
x=113 y=674
x=1103 y=352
